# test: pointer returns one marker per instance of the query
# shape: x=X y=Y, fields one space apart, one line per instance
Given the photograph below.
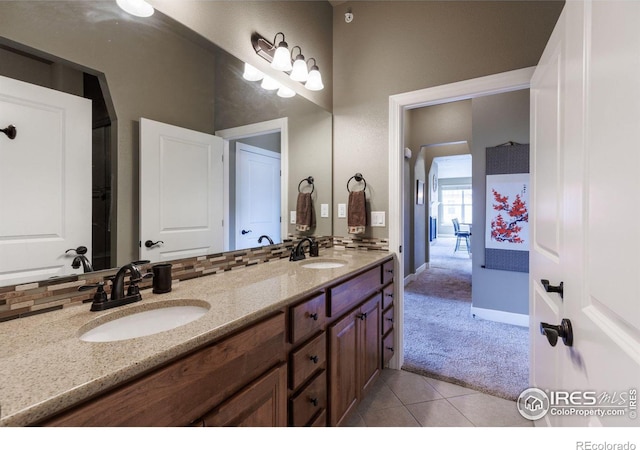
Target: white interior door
x=181 y=192
x=585 y=113
x=48 y=211
x=257 y=195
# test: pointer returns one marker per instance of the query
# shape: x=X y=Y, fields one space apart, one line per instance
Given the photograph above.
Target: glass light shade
x=286 y=92
x=314 y=82
x=299 y=71
x=251 y=73
x=269 y=83
x=138 y=8
x=282 y=58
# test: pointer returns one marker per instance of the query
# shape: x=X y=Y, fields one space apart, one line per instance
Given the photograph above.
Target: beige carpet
x=444 y=341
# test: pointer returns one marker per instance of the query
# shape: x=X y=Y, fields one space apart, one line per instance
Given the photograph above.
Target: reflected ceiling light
x=251 y=73
x=269 y=83
x=314 y=82
x=138 y=8
x=286 y=92
x=281 y=57
x=299 y=72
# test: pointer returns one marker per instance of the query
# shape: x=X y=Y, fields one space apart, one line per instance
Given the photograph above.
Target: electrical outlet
x=324 y=210
x=342 y=210
x=292 y=218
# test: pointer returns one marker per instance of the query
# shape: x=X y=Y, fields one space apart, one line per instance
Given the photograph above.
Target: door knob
x=245 y=231
x=553 y=332
x=547 y=287
x=150 y=243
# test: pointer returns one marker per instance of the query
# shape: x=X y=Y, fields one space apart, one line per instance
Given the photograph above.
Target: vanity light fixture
x=314 y=82
x=269 y=83
x=251 y=73
x=139 y=8
x=281 y=57
x=286 y=92
x=299 y=72
x=267 y=51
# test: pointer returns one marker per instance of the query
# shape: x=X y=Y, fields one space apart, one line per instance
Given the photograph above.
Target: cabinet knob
x=390 y=319
x=314 y=401
x=314 y=358
x=389 y=348
x=313 y=316
x=388 y=294
x=362 y=316
x=389 y=270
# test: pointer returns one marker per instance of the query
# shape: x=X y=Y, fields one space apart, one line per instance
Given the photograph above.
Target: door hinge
x=400 y=250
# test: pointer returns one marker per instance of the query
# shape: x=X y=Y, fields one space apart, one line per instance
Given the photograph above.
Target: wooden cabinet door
x=369 y=336
x=261 y=404
x=343 y=372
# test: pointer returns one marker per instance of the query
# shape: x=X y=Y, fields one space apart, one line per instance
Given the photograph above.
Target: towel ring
x=358 y=177
x=308 y=180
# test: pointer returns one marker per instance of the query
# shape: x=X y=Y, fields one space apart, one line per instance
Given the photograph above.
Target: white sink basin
x=323 y=264
x=145 y=322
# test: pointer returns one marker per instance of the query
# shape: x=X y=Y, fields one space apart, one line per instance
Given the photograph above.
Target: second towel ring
x=308 y=180
x=358 y=177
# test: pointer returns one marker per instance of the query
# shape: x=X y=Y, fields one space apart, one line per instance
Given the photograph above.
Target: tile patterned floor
x=404 y=399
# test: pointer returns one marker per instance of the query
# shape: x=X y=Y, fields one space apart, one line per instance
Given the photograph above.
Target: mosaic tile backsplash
x=24 y=300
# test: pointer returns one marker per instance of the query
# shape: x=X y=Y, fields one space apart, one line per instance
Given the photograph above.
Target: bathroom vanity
x=281 y=345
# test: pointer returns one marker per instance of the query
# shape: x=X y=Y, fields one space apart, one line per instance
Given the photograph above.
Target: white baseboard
x=412 y=276
x=501 y=316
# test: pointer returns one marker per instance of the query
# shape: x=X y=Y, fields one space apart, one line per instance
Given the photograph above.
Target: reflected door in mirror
x=45 y=182
x=257 y=195
x=181 y=192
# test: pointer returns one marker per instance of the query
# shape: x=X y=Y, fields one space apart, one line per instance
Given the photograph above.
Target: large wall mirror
x=156 y=68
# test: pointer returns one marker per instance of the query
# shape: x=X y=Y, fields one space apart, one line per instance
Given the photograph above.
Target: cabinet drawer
x=387 y=296
x=348 y=294
x=387 y=321
x=184 y=390
x=307 y=318
x=310 y=401
x=387 y=272
x=306 y=360
x=387 y=349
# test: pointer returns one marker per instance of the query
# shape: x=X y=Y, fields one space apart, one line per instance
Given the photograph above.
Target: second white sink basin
x=323 y=263
x=145 y=322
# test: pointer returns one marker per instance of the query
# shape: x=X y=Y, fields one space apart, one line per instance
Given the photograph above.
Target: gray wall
x=496 y=119
x=395 y=47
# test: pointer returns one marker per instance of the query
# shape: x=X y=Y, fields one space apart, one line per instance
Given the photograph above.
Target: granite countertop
x=45 y=367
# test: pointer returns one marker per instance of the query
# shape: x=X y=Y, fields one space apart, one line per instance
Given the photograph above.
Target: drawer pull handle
x=388 y=295
x=314 y=358
x=390 y=319
x=314 y=401
x=390 y=348
x=362 y=316
x=389 y=270
x=314 y=316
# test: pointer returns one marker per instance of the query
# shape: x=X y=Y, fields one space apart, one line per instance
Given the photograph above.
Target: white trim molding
x=398 y=105
x=494 y=315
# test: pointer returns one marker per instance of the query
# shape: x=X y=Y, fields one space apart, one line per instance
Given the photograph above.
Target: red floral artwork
x=508 y=229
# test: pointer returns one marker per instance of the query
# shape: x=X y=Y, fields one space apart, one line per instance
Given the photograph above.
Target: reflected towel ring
x=359 y=178
x=308 y=180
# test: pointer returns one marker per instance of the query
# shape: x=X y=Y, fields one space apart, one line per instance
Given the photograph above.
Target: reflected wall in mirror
x=154 y=68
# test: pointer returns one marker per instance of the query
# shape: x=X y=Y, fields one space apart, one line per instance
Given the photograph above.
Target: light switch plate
x=377 y=218
x=324 y=210
x=342 y=210
x=292 y=218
